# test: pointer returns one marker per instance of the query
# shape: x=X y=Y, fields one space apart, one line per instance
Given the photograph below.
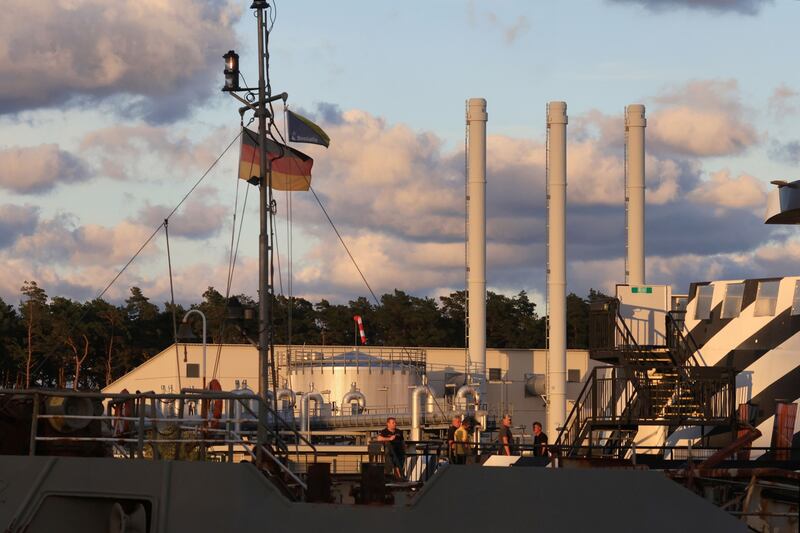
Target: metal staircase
x=645 y=385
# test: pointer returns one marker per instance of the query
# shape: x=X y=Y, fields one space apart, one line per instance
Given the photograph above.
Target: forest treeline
x=59 y=342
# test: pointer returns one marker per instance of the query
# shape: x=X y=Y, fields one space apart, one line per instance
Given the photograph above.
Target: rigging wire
x=336 y=230
x=289 y=246
x=231 y=271
x=143 y=246
x=172 y=304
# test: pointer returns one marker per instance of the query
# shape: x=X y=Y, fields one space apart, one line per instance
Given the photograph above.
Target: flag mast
x=266 y=289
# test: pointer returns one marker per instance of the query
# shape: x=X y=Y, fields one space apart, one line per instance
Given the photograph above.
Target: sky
x=110 y=112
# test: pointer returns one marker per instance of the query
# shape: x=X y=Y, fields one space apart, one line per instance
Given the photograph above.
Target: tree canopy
x=58 y=342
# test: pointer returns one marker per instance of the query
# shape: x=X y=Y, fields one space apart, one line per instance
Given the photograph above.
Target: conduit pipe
x=305 y=414
x=286 y=394
x=416 y=412
x=556 y=265
x=472 y=392
x=354 y=395
x=635 y=123
x=476 y=236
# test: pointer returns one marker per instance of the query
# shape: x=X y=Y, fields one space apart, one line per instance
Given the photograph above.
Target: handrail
x=684 y=342
x=577 y=406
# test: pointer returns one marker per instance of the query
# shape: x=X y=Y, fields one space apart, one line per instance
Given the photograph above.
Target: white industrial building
x=515 y=377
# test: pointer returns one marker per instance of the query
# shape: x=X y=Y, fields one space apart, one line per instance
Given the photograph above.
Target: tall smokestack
x=476 y=235
x=556 y=266
x=635 y=123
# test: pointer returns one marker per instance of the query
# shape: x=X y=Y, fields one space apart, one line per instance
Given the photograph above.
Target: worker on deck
x=505 y=440
x=539 y=440
x=451 y=440
x=394 y=445
x=462 y=446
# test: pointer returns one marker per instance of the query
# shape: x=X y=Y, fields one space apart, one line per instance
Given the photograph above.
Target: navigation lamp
x=231 y=71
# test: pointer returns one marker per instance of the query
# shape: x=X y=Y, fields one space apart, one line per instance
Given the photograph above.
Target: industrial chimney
x=476 y=237
x=635 y=123
x=556 y=266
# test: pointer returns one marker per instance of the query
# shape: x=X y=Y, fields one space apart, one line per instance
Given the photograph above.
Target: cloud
x=62 y=241
x=200 y=218
x=38 y=169
x=701 y=119
x=396 y=196
x=510 y=31
x=15 y=221
x=724 y=191
x=147 y=58
x=783 y=102
x=128 y=152
x=787 y=152
x=743 y=7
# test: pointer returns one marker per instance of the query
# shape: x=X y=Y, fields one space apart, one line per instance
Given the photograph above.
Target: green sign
x=642 y=290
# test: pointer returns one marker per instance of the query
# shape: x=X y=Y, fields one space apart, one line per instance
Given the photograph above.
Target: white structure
x=508 y=389
x=635 y=123
x=476 y=235
x=556 y=265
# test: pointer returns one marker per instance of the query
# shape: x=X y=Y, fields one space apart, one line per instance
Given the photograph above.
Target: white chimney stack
x=476 y=236
x=556 y=266
x=635 y=123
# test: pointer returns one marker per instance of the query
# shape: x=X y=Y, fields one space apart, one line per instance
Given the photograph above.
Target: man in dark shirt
x=505 y=440
x=395 y=446
x=539 y=440
x=451 y=436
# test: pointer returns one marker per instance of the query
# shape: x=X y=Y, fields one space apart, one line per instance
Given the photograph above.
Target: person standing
x=462 y=448
x=451 y=432
x=505 y=439
x=394 y=445
x=539 y=440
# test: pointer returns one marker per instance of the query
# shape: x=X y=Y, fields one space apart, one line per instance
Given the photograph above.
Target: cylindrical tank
x=60 y=406
x=385 y=383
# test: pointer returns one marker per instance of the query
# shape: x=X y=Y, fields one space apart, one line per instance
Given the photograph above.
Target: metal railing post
x=140 y=444
x=34 y=424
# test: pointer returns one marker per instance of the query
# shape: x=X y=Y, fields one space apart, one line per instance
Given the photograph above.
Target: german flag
x=291 y=169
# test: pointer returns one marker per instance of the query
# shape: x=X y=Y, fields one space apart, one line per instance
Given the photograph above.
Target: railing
x=360 y=356
x=612 y=400
x=607 y=397
x=683 y=346
x=225 y=425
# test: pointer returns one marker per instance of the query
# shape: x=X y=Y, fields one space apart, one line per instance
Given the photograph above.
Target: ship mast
x=266 y=288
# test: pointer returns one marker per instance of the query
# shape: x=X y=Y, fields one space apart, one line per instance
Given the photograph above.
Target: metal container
x=384 y=379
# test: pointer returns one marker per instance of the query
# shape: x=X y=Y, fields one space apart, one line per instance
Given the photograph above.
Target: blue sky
x=109 y=113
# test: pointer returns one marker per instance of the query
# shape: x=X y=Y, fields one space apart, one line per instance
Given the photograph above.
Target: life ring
x=215 y=412
x=123 y=409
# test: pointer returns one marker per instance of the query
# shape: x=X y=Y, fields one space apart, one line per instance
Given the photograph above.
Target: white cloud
x=201 y=217
x=700 y=119
x=38 y=169
x=723 y=190
x=159 y=57
x=130 y=151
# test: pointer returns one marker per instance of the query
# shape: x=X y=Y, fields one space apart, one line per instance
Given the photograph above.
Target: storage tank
x=383 y=377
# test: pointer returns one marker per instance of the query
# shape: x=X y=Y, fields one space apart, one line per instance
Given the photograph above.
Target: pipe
x=556 y=265
x=416 y=414
x=476 y=236
x=536 y=385
x=286 y=394
x=305 y=415
x=469 y=390
x=635 y=123
x=354 y=395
